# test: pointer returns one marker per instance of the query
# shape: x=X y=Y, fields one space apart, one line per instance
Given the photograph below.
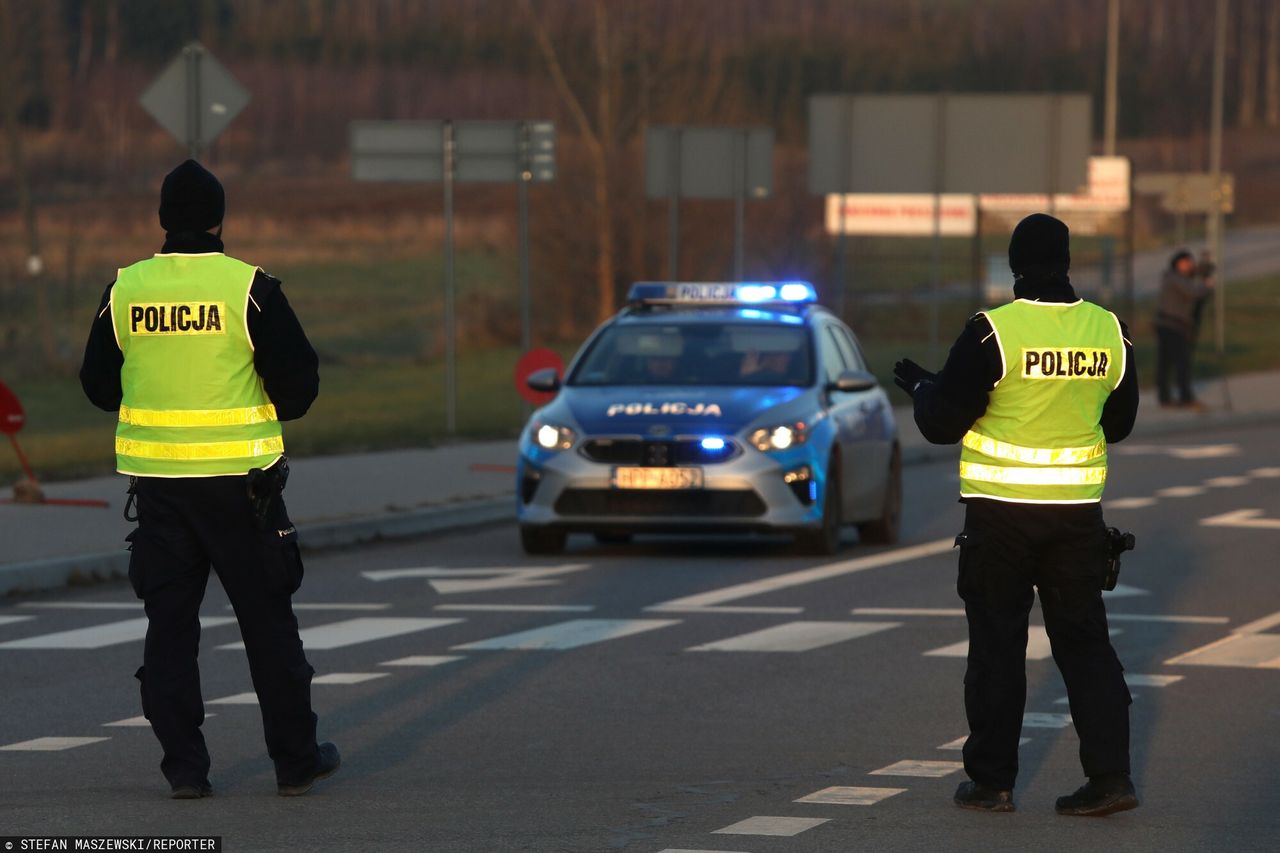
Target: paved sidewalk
x=343 y=500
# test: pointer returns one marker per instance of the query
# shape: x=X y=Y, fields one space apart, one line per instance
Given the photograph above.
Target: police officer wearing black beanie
x=200 y=436
x=996 y=399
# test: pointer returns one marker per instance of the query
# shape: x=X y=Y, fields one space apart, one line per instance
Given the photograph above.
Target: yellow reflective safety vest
x=193 y=405
x=1040 y=440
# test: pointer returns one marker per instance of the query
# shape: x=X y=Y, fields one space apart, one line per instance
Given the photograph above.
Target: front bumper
x=571 y=492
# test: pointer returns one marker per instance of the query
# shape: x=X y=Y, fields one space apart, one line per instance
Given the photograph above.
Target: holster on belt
x=264 y=487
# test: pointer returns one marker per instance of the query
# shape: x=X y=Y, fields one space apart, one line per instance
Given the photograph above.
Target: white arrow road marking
x=455 y=581
x=1248 y=518
x=806 y=576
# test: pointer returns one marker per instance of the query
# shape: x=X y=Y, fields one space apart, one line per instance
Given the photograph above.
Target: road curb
x=85 y=569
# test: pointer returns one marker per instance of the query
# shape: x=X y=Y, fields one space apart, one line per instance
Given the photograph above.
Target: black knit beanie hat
x=191 y=199
x=1040 y=243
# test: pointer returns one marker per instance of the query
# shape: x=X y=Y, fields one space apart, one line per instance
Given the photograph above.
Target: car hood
x=629 y=409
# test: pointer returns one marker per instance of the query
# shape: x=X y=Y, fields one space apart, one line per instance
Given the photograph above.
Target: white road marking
x=680 y=608
x=235 y=699
x=339 y=606
x=1265 y=473
x=99 y=636
x=84 y=605
x=1038 y=646
x=1227 y=482
x=795 y=637
x=783 y=827
x=908 y=611
x=1157 y=617
x=958 y=743
x=1130 y=503
x=1194 y=451
x=1181 y=491
x=1249 y=518
x=926 y=769
x=687 y=850
x=520 y=608
x=1039 y=720
x=1257 y=626
x=840 y=795
x=362 y=629
x=1255 y=651
x=570 y=635
x=454 y=581
x=1136 y=679
x=813 y=575
x=51 y=744
x=1123 y=590
x=9 y=620
x=423 y=660
x=348 y=677
x=138 y=722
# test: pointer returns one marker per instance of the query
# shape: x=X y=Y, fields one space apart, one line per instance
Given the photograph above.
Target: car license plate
x=657 y=478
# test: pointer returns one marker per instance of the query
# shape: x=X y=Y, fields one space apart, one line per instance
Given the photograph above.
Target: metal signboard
x=709 y=162
x=901 y=215
x=948 y=143
x=1189 y=192
x=397 y=151
x=195 y=98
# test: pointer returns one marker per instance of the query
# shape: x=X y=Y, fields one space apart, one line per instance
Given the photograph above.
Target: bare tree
x=1249 y=56
x=1272 y=75
x=599 y=136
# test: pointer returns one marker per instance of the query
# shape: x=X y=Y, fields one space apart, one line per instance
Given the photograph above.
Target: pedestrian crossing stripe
x=840 y=795
x=1038 y=645
x=364 y=629
x=569 y=635
x=51 y=744
x=795 y=637
x=99 y=636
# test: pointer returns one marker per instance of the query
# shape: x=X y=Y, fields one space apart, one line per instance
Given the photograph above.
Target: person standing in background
x=1183 y=291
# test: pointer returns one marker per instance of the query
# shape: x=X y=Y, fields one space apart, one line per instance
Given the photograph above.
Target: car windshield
x=750 y=354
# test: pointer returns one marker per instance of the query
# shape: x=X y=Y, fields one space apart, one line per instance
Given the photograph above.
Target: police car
x=712 y=408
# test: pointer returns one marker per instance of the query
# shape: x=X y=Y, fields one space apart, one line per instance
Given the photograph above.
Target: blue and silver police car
x=711 y=408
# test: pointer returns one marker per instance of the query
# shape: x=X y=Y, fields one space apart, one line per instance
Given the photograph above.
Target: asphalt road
x=655 y=696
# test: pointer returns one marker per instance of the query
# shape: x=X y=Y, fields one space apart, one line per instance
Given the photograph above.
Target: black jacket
x=947 y=408
x=282 y=355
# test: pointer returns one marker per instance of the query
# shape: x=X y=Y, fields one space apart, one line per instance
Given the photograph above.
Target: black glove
x=907 y=375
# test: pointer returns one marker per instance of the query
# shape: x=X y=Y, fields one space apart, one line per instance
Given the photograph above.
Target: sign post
x=451 y=152
x=27 y=490
x=194 y=98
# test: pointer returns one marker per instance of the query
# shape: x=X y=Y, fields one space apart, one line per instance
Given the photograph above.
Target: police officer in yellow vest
x=1035 y=391
x=202 y=357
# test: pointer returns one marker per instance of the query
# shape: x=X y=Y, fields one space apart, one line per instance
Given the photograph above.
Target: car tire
x=825 y=541
x=613 y=537
x=538 y=541
x=885 y=529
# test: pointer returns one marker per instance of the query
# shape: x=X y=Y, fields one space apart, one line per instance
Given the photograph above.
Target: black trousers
x=1007 y=551
x=185 y=526
x=1173 y=360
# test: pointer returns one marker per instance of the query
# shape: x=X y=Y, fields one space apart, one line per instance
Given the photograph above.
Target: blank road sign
x=397 y=150
x=948 y=143
x=220 y=97
x=484 y=151
x=713 y=162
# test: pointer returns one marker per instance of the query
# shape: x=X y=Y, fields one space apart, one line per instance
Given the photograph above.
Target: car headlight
x=779 y=437
x=553 y=437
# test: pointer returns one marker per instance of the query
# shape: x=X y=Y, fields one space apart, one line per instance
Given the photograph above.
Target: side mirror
x=546 y=380
x=853 y=381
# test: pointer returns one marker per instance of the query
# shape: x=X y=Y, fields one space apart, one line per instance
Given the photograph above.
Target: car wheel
x=884 y=530
x=825 y=541
x=613 y=537
x=540 y=540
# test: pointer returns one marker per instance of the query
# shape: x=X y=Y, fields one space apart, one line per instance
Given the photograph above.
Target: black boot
x=191 y=790
x=1100 y=796
x=971 y=795
x=327 y=763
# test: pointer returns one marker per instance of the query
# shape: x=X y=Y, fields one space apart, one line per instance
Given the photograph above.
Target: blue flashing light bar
x=718 y=293
x=713 y=443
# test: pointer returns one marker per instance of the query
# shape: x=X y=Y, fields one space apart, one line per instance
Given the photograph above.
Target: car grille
x=697 y=503
x=635 y=451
